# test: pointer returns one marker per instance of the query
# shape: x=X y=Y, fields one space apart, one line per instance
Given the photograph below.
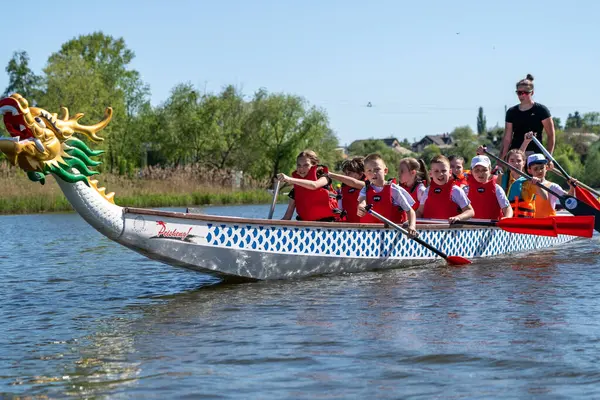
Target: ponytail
x=423 y=173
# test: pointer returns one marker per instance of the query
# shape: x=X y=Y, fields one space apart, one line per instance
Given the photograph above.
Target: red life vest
x=382 y=203
x=439 y=202
x=483 y=199
x=314 y=205
x=414 y=192
x=350 y=203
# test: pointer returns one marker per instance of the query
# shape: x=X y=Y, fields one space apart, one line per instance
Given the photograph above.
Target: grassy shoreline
x=35 y=204
x=176 y=187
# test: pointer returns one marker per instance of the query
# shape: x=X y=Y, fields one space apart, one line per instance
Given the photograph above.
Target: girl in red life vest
x=414 y=178
x=312 y=197
x=387 y=198
x=353 y=181
x=487 y=197
x=443 y=199
x=458 y=172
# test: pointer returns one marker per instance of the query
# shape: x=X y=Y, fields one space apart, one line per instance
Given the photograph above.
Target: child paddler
x=487 y=197
x=443 y=199
x=387 y=198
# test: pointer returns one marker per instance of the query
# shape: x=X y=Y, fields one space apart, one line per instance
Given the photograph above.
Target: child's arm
x=347 y=180
x=461 y=199
x=572 y=184
x=507 y=211
x=290 y=210
x=362 y=203
x=404 y=200
x=412 y=223
x=526 y=141
x=467 y=213
x=419 y=211
x=305 y=183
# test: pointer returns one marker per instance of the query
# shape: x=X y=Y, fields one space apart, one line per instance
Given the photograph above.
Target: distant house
x=390 y=142
x=342 y=151
x=395 y=145
x=442 y=141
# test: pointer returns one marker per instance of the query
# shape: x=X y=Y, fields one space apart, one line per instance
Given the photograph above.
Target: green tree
x=429 y=152
x=481 y=122
x=90 y=73
x=591 y=121
x=390 y=156
x=279 y=127
x=21 y=78
x=465 y=142
x=591 y=173
x=557 y=123
x=569 y=159
x=574 y=121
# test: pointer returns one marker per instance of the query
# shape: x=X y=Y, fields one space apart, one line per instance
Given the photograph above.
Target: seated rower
x=545 y=203
x=487 y=197
x=353 y=181
x=443 y=199
x=312 y=197
x=414 y=178
x=387 y=198
x=458 y=172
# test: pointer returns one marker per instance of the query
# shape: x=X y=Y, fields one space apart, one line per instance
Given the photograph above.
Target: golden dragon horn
x=89 y=131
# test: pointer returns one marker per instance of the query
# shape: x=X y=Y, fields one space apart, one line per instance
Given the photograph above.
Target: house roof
x=443 y=140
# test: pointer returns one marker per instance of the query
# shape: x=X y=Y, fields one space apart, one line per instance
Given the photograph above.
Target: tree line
x=260 y=134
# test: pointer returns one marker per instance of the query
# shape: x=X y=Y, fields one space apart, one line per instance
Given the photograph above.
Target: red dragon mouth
x=14 y=119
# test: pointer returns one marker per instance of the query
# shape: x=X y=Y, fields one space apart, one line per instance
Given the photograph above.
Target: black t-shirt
x=525 y=121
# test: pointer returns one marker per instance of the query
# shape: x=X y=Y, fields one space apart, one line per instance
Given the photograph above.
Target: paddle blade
x=457 y=260
x=529 y=226
x=575 y=226
x=584 y=195
x=580 y=208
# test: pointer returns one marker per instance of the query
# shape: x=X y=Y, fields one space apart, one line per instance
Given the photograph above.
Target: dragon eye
x=40 y=122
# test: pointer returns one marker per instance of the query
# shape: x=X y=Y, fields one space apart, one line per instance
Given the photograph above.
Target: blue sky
x=425 y=66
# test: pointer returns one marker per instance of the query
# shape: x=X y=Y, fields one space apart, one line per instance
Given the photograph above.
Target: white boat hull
x=243 y=249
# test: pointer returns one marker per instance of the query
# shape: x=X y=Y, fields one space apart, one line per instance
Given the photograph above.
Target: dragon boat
x=230 y=248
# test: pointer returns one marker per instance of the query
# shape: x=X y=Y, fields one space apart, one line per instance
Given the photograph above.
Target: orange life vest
x=520 y=207
x=461 y=180
x=543 y=208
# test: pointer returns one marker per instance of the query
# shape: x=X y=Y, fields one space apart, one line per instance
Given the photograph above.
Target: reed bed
x=150 y=187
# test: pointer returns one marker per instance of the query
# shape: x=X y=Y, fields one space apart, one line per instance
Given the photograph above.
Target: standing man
x=527 y=116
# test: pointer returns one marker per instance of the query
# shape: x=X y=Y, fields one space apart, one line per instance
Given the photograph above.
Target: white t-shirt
x=556 y=188
x=500 y=196
x=457 y=195
x=400 y=197
x=420 y=192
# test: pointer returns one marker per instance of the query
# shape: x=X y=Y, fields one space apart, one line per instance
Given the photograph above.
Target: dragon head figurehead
x=41 y=143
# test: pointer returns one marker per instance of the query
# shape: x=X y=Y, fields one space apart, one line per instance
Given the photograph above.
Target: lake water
x=83 y=317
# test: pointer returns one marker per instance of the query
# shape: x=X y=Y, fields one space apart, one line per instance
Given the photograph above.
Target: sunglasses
x=522 y=92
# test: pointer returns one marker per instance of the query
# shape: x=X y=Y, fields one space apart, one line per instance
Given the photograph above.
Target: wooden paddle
x=452 y=260
x=275 y=194
x=570 y=203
